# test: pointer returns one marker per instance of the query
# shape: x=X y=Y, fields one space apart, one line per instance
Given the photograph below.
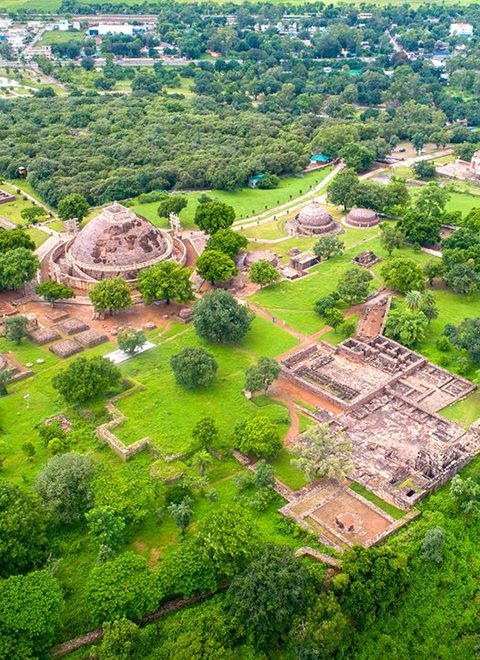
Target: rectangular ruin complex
x=387 y=398
x=6 y=197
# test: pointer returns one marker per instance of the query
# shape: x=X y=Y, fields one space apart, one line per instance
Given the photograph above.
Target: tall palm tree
x=413 y=300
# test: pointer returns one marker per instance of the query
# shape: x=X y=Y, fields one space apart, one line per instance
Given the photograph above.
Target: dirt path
x=281 y=324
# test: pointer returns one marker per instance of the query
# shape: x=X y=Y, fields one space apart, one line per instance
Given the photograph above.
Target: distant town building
x=109 y=28
x=461 y=29
x=38 y=51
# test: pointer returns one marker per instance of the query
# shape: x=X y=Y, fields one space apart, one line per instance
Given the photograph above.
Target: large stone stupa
x=115 y=242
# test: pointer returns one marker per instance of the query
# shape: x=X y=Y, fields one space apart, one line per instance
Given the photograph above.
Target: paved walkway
x=288 y=207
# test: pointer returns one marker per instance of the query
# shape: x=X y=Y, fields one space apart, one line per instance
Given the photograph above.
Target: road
x=288 y=207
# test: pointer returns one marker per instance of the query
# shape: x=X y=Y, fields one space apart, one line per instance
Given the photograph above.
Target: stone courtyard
x=386 y=397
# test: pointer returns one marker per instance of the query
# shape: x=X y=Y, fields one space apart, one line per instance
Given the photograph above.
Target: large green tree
x=15 y=328
x=110 y=295
x=262 y=272
x=212 y=216
x=172 y=204
x=194 y=367
x=328 y=246
x=406 y=327
x=73 y=206
x=324 y=632
x=15 y=238
x=467 y=336
x=402 y=274
x=258 y=436
x=215 y=267
x=22 y=530
x=420 y=229
x=227 y=241
x=30 y=607
x=323 y=452
x=86 y=378
x=354 y=285
x=219 y=318
x=129 y=340
x=63 y=486
x=341 y=190
x=122 y=587
x=265 y=600
x=166 y=281
x=52 y=291
x=261 y=375
x=371 y=582
x=390 y=238
x=229 y=539
x=17 y=267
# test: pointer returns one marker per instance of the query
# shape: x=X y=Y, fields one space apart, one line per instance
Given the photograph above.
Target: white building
x=5 y=22
x=109 y=28
x=461 y=29
x=63 y=25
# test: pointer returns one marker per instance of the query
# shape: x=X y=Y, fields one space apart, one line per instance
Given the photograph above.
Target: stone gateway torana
x=115 y=242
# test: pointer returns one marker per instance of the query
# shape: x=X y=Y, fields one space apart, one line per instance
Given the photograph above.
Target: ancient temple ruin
x=385 y=397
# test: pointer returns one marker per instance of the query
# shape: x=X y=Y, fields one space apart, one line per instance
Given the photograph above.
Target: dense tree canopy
x=110 y=295
x=85 y=378
x=215 y=267
x=30 y=607
x=219 y=318
x=122 y=587
x=64 y=486
x=194 y=367
x=265 y=599
x=22 y=530
x=166 y=281
x=258 y=436
x=403 y=275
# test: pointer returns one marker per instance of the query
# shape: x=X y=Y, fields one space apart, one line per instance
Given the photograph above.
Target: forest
x=265 y=106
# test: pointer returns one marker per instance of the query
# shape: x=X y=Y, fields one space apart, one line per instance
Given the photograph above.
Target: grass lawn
x=51 y=37
x=453 y=308
x=37 y=235
x=463 y=202
x=246 y=201
x=12 y=210
x=158 y=411
x=286 y=472
x=294 y=301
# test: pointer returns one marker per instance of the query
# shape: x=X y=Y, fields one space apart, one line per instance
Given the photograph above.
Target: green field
x=246 y=201
x=294 y=301
x=158 y=411
x=51 y=37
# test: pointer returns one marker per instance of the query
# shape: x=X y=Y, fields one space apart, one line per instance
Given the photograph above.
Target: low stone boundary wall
x=319 y=556
x=104 y=431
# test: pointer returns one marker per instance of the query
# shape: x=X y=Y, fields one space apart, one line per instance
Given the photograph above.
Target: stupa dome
x=312 y=220
x=362 y=218
x=117 y=241
x=120 y=239
x=314 y=215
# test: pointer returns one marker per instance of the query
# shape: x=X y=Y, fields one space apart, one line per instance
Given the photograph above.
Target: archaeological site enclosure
x=386 y=398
